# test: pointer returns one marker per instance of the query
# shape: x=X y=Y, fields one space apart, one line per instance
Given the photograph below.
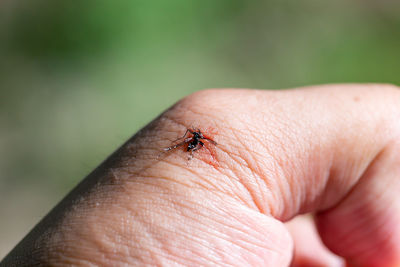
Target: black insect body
x=194 y=142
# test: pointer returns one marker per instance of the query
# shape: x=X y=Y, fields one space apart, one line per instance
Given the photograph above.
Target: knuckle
x=384 y=88
x=390 y=87
x=202 y=101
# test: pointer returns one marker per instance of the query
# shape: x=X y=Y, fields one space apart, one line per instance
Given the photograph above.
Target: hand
x=329 y=150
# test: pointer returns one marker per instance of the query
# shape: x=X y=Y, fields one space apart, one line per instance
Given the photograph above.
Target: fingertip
x=308 y=248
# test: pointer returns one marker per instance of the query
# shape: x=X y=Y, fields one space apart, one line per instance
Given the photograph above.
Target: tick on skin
x=194 y=142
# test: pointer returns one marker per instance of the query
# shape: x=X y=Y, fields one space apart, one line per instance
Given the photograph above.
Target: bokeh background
x=77 y=78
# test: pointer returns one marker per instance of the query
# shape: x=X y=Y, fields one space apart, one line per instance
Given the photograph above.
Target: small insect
x=195 y=142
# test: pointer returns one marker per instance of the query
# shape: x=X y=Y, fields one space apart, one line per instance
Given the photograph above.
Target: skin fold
x=333 y=151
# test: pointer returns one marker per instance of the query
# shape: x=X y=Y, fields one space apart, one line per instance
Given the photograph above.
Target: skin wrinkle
x=228 y=184
x=255 y=170
x=237 y=190
x=239 y=139
x=239 y=159
x=240 y=194
x=254 y=177
x=243 y=141
x=244 y=243
x=189 y=111
x=208 y=181
x=129 y=151
x=278 y=174
x=150 y=177
x=221 y=237
x=294 y=161
x=349 y=192
x=324 y=173
x=238 y=229
x=236 y=158
x=237 y=173
x=146 y=234
x=258 y=173
x=291 y=182
x=304 y=175
x=354 y=184
x=224 y=236
x=328 y=185
x=185 y=168
x=231 y=181
x=303 y=202
x=207 y=184
x=98 y=243
x=277 y=143
x=167 y=248
x=189 y=235
x=61 y=256
x=119 y=249
x=200 y=183
x=88 y=260
x=198 y=243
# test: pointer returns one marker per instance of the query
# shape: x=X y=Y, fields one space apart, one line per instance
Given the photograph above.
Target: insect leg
x=187 y=139
x=210 y=140
x=175 y=146
x=190 y=155
x=187 y=131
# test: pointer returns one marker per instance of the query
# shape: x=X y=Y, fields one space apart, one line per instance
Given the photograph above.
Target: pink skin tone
x=333 y=151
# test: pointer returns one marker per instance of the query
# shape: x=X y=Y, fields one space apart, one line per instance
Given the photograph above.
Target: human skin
x=333 y=151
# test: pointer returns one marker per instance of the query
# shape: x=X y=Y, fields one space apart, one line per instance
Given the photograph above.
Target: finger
x=308 y=248
x=365 y=226
x=279 y=153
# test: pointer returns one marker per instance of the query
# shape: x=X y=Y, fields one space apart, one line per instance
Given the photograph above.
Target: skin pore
x=333 y=151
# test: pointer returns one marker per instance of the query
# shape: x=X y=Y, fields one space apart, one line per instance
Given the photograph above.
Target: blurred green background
x=77 y=78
